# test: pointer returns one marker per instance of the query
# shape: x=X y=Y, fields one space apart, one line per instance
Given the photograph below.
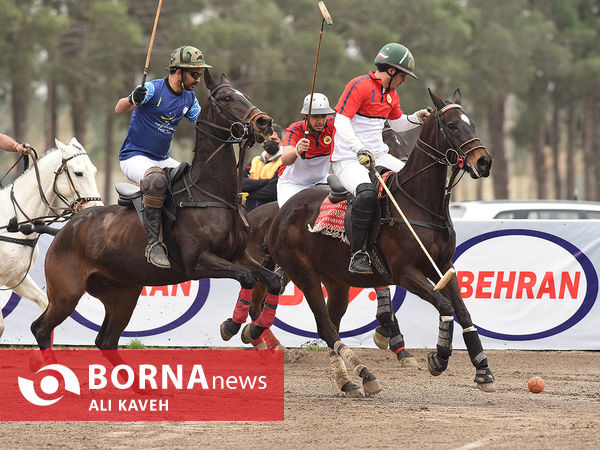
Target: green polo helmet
x=398 y=56
x=187 y=57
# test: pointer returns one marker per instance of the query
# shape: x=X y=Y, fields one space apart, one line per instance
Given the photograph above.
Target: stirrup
x=360 y=263
x=159 y=260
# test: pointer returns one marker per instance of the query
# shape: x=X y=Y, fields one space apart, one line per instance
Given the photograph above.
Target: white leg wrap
x=471 y=328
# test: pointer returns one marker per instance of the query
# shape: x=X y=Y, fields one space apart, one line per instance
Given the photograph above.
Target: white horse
x=64 y=182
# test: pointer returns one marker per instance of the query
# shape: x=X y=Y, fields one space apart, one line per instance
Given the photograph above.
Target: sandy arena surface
x=414 y=411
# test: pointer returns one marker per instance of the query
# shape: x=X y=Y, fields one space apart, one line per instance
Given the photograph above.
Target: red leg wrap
x=240 y=313
x=267 y=316
x=398 y=350
x=270 y=339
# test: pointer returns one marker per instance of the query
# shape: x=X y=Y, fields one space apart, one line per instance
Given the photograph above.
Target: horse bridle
x=72 y=207
x=77 y=204
x=455 y=155
x=239 y=129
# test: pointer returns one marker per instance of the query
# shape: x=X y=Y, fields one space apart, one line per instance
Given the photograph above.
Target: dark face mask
x=271 y=147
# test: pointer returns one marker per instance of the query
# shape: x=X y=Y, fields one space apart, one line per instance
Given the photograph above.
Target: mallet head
x=326 y=15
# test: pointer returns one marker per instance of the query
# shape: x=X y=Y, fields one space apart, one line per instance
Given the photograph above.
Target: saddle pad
x=330 y=220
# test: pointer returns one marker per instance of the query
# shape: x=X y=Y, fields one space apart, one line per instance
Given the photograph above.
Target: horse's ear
x=208 y=80
x=456 y=97
x=59 y=145
x=224 y=79
x=75 y=143
x=437 y=101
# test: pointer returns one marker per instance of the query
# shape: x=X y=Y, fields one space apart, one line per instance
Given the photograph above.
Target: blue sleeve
x=149 y=92
x=194 y=111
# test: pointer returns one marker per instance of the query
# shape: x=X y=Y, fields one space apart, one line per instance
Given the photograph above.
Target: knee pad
x=154 y=186
x=364 y=205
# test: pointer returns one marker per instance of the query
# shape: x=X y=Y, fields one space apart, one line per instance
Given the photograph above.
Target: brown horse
x=446 y=139
x=260 y=220
x=101 y=250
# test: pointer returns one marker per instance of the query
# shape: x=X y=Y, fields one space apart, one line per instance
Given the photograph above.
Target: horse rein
x=240 y=132
x=73 y=207
x=455 y=148
x=444 y=159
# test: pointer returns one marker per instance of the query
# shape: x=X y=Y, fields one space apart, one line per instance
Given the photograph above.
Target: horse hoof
x=487 y=387
x=352 y=390
x=380 y=340
x=280 y=347
x=372 y=387
x=229 y=329
x=408 y=362
x=246 y=335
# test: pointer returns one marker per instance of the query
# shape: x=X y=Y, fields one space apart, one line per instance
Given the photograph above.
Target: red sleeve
x=293 y=134
x=396 y=111
x=353 y=97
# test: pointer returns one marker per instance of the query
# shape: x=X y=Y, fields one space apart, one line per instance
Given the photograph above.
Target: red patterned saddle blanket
x=330 y=220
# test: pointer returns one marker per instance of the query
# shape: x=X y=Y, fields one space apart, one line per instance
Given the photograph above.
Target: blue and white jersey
x=154 y=121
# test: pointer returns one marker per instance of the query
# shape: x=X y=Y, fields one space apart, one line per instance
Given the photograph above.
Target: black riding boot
x=363 y=209
x=156 y=252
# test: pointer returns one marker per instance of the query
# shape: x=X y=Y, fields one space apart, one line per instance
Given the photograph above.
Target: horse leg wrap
x=267 y=316
x=476 y=352
x=270 y=339
x=240 y=313
x=385 y=313
x=339 y=370
x=446 y=330
x=348 y=355
x=397 y=343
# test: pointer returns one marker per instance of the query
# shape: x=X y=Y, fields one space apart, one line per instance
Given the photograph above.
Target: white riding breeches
x=351 y=173
x=286 y=189
x=135 y=167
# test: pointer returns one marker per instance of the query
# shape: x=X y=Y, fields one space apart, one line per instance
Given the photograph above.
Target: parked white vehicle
x=525 y=209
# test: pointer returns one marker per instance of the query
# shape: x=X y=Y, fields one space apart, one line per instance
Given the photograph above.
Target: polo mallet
x=443 y=278
x=326 y=19
x=147 y=65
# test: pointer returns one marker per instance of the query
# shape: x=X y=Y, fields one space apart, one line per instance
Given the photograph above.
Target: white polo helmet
x=320 y=105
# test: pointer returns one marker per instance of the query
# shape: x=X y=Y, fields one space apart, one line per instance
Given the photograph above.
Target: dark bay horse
x=447 y=139
x=101 y=250
x=260 y=220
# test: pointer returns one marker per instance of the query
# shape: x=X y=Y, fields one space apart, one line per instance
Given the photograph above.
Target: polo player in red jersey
x=366 y=103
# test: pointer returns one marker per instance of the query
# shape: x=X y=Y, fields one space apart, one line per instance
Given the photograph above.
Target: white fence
x=527 y=285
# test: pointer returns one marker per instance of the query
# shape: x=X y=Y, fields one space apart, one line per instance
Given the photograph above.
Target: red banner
x=194 y=385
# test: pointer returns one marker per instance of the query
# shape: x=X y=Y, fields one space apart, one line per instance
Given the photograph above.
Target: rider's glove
x=422 y=115
x=365 y=157
x=138 y=95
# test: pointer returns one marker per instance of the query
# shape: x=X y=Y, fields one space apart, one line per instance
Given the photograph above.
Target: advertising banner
x=527 y=285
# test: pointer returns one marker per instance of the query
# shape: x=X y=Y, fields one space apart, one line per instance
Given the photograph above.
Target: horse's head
x=456 y=134
x=75 y=182
x=235 y=112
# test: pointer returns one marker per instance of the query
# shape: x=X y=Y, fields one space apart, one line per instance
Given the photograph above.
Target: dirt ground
x=414 y=411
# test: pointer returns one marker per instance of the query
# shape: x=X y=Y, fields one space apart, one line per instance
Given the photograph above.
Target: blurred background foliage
x=529 y=72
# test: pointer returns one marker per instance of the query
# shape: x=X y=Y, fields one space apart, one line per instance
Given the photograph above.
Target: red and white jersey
x=313 y=167
x=368 y=106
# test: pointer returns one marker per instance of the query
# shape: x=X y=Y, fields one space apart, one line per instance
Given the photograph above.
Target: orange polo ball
x=536 y=385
